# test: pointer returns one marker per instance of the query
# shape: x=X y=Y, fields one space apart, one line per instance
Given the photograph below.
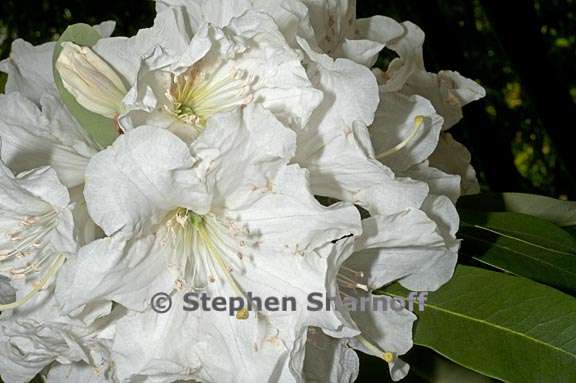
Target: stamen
x=387 y=356
x=198 y=245
x=216 y=254
x=29 y=235
x=347 y=281
x=243 y=314
x=27 y=221
x=359 y=274
x=37 y=286
x=418 y=123
x=14 y=237
x=195 y=95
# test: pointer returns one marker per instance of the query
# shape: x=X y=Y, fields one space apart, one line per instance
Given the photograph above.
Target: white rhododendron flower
x=38 y=335
x=232 y=219
x=259 y=152
x=37 y=230
x=38 y=235
x=221 y=70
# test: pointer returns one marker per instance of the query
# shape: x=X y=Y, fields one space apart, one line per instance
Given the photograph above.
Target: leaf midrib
x=496 y=326
x=497 y=232
x=536 y=259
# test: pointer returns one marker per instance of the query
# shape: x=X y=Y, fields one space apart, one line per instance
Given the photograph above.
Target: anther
x=14 y=237
x=27 y=221
x=243 y=314
x=388 y=356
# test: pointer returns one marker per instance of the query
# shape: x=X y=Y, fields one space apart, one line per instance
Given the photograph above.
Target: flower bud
x=92 y=82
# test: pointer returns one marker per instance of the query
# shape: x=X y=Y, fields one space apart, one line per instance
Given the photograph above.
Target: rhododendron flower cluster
x=258 y=148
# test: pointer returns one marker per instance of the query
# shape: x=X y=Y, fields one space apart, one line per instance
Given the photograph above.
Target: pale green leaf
x=561 y=213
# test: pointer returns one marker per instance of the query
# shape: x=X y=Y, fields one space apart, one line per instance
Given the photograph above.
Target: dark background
x=522 y=51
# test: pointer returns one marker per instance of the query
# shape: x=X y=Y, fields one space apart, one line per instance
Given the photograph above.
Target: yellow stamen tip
x=418 y=120
x=388 y=357
x=242 y=314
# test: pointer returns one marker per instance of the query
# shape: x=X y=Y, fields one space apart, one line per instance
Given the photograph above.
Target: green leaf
x=561 y=213
x=100 y=128
x=500 y=325
x=571 y=230
x=522 y=245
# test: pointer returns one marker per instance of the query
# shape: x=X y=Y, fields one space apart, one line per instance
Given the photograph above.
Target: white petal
x=408 y=47
x=390 y=196
x=105 y=28
x=405 y=131
x=76 y=372
x=111 y=269
x=282 y=84
x=329 y=359
x=125 y=54
x=331 y=20
x=29 y=70
x=199 y=12
x=290 y=215
x=291 y=16
x=419 y=248
x=364 y=52
x=7 y=292
x=245 y=149
x=398 y=370
x=32 y=137
x=335 y=145
x=390 y=330
x=34 y=338
x=439 y=182
x=86 y=230
x=134 y=183
x=351 y=91
x=293 y=252
x=382 y=29
x=393 y=247
x=204 y=345
x=448 y=91
x=439 y=267
x=452 y=157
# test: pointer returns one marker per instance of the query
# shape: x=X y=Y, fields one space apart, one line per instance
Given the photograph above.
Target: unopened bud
x=92 y=82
